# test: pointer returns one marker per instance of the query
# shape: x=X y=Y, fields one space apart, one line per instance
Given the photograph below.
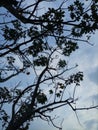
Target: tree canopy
x=36 y=42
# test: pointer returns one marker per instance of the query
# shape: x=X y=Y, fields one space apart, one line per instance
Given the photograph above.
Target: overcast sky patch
x=91 y=125
x=94 y=76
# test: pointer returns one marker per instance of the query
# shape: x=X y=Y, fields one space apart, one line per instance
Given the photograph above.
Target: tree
x=41 y=43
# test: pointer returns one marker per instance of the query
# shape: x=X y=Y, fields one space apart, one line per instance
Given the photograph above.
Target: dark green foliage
x=55 y=18
x=62 y=63
x=3 y=118
x=76 y=10
x=33 y=31
x=88 y=19
x=10 y=59
x=41 y=98
x=58 y=95
x=51 y=91
x=75 y=78
x=41 y=61
x=5 y=95
x=69 y=47
x=37 y=46
x=14 y=33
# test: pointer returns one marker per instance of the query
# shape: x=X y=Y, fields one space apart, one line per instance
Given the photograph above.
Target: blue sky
x=87 y=59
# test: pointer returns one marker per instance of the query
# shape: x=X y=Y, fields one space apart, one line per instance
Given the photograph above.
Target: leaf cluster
x=41 y=98
x=75 y=78
x=13 y=33
x=53 y=20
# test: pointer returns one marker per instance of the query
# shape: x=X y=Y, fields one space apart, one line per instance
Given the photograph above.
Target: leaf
x=58 y=95
x=41 y=61
x=62 y=63
x=41 y=98
x=51 y=91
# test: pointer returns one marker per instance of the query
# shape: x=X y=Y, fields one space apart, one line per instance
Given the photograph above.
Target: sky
x=87 y=59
